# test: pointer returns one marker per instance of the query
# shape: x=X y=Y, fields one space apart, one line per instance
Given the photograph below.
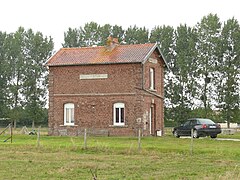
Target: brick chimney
x=111 y=43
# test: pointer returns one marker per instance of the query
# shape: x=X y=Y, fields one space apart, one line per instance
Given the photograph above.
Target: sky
x=54 y=17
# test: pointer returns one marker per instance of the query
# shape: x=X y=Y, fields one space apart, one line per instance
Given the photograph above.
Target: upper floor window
x=69 y=114
x=152 y=78
x=119 y=114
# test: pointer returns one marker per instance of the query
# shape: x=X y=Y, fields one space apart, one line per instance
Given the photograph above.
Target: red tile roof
x=100 y=55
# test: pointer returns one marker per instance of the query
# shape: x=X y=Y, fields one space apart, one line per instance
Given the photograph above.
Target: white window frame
x=69 y=114
x=152 y=78
x=118 y=122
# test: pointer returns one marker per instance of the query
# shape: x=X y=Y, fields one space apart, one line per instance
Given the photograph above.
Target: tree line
x=203 y=79
x=23 y=78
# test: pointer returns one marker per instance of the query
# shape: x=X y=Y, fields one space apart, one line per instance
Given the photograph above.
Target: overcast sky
x=54 y=17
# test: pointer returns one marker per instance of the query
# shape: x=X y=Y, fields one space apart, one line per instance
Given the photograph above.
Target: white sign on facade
x=151 y=60
x=93 y=76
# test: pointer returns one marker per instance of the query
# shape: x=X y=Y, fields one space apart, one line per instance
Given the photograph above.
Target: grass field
x=118 y=158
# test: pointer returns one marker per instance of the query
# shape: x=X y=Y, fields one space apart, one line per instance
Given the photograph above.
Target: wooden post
x=38 y=137
x=191 y=146
x=11 y=130
x=139 y=138
x=85 y=139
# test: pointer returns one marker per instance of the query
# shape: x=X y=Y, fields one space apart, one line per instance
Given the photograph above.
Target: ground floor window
x=119 y=114
x=69 y=114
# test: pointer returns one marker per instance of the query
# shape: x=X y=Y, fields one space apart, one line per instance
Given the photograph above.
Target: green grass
x=118 y=158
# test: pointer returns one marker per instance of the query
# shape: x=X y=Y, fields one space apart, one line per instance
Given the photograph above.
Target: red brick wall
x=151 y=99
x=121 y=78
x=94 y=98
x=159 y=74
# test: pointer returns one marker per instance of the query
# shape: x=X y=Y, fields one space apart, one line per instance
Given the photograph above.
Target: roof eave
x=166 y=64
x=46 y=63
x=54 y=54
x=149 y=53
x=87 y=64
x=161 y=55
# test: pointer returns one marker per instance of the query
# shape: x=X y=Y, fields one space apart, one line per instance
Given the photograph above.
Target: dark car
x=201 y=128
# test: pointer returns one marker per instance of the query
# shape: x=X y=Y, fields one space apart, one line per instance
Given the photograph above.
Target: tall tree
x=91 y=35
x=15 y=56
x=135 y=35
x=104 y=32
x=229 y=70
x=208 y=53
x=184 y=72
x=25 y=54
x=37 y=50
x=4 y=74
x=118 y=32
x=73 y=38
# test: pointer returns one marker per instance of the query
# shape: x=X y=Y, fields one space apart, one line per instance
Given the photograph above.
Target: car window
x=193 y=122
x=186 y=123
x=206 y=121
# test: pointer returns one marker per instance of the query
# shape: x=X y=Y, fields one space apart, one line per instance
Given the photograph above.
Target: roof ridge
x=86 y=47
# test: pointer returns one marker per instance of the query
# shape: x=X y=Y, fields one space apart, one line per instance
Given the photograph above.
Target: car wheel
x=213 y=136
x=195 y=134
x=175 y=133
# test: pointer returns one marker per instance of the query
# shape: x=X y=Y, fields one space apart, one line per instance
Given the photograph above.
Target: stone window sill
x=68 y=125
x=153 y=90
x=118 y=126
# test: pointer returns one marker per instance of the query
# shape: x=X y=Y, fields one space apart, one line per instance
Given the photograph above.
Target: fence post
x=85 y=139
x=11 y=129
x=191 y=145
x=38 y=137
x=139 y=139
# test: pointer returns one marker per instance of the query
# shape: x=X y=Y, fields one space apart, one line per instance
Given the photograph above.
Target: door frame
x=152 y=119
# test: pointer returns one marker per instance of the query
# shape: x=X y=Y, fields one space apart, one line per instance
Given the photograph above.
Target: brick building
x=111 y=90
